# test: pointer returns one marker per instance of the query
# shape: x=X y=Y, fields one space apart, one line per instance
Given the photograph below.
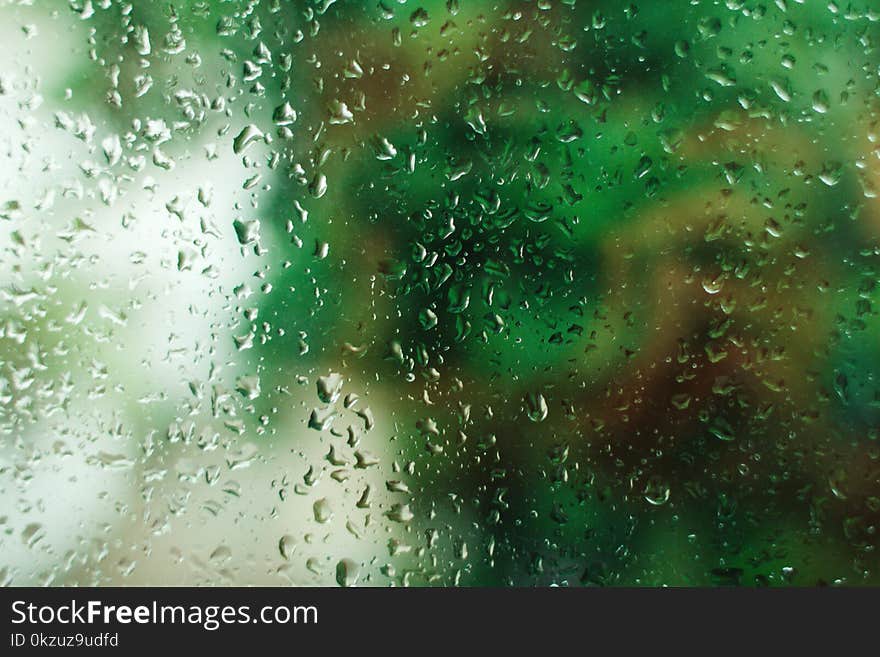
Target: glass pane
x=439 y=293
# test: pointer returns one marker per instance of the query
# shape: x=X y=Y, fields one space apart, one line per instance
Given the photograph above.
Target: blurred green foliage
x=609 y=268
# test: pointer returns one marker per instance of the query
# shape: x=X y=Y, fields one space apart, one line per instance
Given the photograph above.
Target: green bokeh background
x=608 y=282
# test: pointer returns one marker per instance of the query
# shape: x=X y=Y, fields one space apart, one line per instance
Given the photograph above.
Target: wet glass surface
x=439 y=293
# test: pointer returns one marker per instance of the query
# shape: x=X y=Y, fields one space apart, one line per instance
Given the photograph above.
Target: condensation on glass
x=439 y=293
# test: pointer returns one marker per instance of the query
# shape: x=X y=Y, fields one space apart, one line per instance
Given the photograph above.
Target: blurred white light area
x=132 y=272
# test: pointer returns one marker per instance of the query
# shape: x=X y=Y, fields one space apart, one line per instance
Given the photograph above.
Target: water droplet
x=347 y=572
x=322 y=510
x=286 y=546
x=248 y=135
x=536 y=407
x=329 y=388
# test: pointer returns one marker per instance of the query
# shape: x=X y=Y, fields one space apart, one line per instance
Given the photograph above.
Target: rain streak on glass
x=435 y=293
